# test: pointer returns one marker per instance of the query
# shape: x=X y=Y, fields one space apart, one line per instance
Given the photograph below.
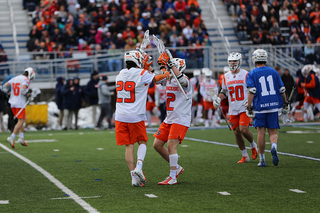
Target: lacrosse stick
x=286 y=117
x=213 y=94
x=34 y=93
x=145 y=42
x=161 y=48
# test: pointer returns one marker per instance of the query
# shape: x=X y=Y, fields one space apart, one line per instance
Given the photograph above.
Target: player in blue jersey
x=266 y=98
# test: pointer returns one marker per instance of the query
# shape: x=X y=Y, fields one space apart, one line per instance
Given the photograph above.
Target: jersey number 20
x=128 y=86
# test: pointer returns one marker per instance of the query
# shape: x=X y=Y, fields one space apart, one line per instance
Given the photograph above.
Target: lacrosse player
x=132 y=87
x=20 y=92
x=300 y=94
x=175 y=126
x=310 y=82
x=208 y=108
x=195 y=82
x=234 y=87
x=266 y=96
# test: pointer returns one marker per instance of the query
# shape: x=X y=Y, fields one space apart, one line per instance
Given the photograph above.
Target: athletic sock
x=262 y=157
x=173 y=174
x=253 y=145
x=244 y=153
x=141 y=153
x=173 y=159
x=21 y=135
x=13 y=136
x=274 y=145
x=139 y=164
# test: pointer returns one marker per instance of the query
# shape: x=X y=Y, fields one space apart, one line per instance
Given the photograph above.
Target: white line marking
x=301 y=132
x=41 y=140
x=80 y=133
x=224 y=193
x=56 y=150
x=233 y=145
x=309 y=142
x=55 y=181
x=50 y=134
x=297 y=191
x=4 y=201
x=61 y=198
x=150 y=195
x=184 y=145
x=268 y=143
x=99 y=148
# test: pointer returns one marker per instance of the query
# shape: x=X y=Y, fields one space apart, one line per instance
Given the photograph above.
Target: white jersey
x=194 y=81
x=205 y=85
x=178 y=108
x=160 y=94
x=132 y=89
x=236 y=85
x=17 y=100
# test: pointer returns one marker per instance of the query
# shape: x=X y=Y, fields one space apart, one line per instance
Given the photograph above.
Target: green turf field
x=92 y=167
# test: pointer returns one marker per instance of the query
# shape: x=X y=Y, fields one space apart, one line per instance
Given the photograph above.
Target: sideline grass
x=209 y=169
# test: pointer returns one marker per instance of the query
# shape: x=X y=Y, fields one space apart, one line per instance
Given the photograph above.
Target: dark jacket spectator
x=58 y=95
x=79 y=98
x=288 y=81
x=91 y=89
x=68 y=94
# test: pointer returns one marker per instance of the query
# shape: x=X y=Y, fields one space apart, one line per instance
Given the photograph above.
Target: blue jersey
x=267 y=81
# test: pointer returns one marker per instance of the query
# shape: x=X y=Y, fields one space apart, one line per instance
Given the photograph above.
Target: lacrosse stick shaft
x=24 y=106
x=292 y=93
x=225 y=118
x=179 y=85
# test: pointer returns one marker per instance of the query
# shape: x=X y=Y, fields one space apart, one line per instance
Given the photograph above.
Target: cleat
x=254 y=153
x=275 y=159
x=136 y=182
x=262 y=164
x=180 y=171
x=140 y=174
x=23 y=143
x=11 y=141
x=168 y=181
x=244 y=160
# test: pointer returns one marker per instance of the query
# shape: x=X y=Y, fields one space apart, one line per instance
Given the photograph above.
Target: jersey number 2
x=128 y=86
x=16 y=88
x=170 y=97
x=262 y=81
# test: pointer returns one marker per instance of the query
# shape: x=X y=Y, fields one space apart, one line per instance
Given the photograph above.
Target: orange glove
x=146 y=65
x=163 y=59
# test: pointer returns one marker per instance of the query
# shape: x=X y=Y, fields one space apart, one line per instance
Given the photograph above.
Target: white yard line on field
x=4 y=201
x=41 y=140
x=72 y=195
x=62 y=198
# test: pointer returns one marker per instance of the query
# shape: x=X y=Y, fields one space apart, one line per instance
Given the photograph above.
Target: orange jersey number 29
x=128 y=86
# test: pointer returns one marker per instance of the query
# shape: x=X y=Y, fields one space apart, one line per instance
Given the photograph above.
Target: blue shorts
x=268 y=120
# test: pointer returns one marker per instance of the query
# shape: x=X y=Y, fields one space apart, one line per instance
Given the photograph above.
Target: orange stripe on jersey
x=142 y=72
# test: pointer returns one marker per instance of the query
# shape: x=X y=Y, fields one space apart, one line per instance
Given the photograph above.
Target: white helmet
x=259 y=55
x=31 y=73
x=134 y=56
x=196 y=72
x=180 y=64
x=204 y=70
x=306 y=69
x=208 y=73
x=234 y=61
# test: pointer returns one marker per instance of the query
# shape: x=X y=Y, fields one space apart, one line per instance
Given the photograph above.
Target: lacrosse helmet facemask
x=134 y=56
x=31 y=74
x=234 y=61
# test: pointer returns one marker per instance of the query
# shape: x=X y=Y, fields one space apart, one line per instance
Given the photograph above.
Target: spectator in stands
x=264 y=8
x=168 y=4
x=275 y=29
x=79 y=99
x=187 y=31
x=165 y=27
x=309 y=53
x=272 y=40
x=292 y=19
x=120 y=42
x=297 y=52
x=283 y=15
x=92 y=31
x=315 y=15
x=303 y=17
x=243 y=9
x=91 y=91
x=130 y=44
x=128 y=33
x=264 y=23
x=107 y=40
x=259 y=37
x=4 y=67
x=171 y=20
x=105 y=93
x=114 y=62
x=278 y=69
x=70 y=39
x=288 y=82
x=145 y=19
x=152 y=26
x=59 y=98
x=242 y=31
x=40 y=51
x=83 y=46
x=233 y=7
x=68 y=102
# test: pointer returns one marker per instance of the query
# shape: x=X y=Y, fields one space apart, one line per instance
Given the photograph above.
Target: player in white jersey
x=234 y=87
x=160 y=99
x=195 y=83
x=208 y=108
x=175 y=126
x=20 y=91
x=132 y=87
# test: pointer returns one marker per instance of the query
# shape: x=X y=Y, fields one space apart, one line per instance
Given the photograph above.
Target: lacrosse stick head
x=285 y=118
x=159 y=43
x=146 y=40
x=213 y=93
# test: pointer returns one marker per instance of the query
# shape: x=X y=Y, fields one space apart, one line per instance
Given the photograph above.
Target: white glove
x=250 y=113
x=217 y=102
x=286 y=108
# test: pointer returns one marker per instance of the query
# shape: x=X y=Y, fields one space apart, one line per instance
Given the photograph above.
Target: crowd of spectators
x=64 y=25
x=261 y=21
